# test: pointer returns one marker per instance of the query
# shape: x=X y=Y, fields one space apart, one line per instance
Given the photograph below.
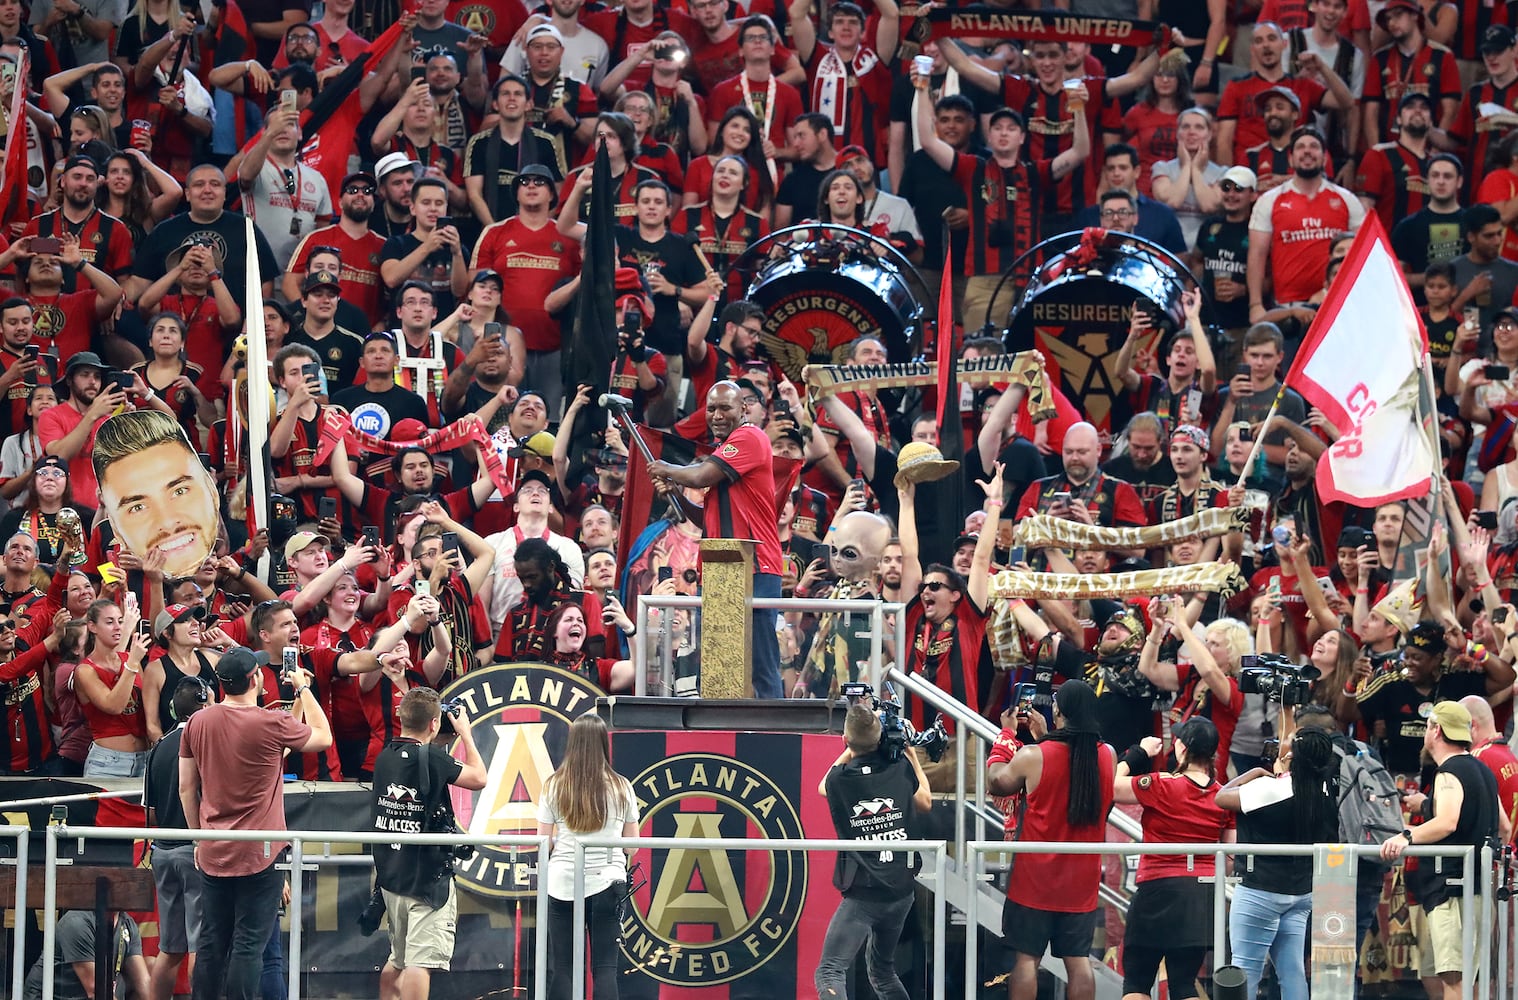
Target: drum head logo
x=521 y=714
x=708 y=917
x=814 y=328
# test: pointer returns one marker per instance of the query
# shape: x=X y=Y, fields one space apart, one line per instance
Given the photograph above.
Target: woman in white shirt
x=586 y=798
x=22 y=449
x=1189 y=183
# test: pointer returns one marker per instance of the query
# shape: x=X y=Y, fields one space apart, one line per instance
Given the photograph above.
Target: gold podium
x=727 y=623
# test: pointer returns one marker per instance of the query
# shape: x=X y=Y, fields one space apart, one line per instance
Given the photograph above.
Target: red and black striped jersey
x=722 y=240
x=28 y=737
x=1477 y=134
x=1004 y=210
x=1050 y=129
x=1393 y=176
x=1431 y=70
x=1475 y=17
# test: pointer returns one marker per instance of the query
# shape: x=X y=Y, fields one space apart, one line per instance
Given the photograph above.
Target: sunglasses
x=359 y=189
x=1230 y=186
x=51 y=472
x=289 y=180
x=934 y=585
x=7 y=626
x=534 y=181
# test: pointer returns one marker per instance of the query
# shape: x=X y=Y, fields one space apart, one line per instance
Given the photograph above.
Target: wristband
x=995 y=503
x=1137 y=760
x=302 y=690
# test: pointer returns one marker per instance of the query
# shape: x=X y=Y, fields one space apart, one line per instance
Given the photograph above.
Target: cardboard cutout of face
x=154 y=489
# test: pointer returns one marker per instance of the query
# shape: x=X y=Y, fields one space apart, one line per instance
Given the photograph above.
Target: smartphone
x=371 y=536
x=311 y=371
x=494 y=331
x=1273 y=589
x=205 y=461
x=287 y=100
x=450 y=541
x=822 y=551
x=1497 y=373
x=418 y=72
x=1062 y=497
x=289 y=661
x=1023 y=699
x=1246 y=433
x=1499 y=615
x=326 y=507
x=123 y=380
x=666 y=573
x=32 y=352
x=1486 y=519
x=1243 y=370
x=145 y=630
x=1016 y=555
x=856 y=485
x=46 y=244
x=423 y=588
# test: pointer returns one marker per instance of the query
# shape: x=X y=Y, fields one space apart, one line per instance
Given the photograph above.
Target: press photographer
x=411 y=779
x=868 y=790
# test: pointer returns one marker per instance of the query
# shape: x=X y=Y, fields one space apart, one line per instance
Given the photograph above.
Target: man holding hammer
x=740 y=503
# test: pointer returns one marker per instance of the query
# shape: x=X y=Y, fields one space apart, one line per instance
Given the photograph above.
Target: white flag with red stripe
x=1362 y=365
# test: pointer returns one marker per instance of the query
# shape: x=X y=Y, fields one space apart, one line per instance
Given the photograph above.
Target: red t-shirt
x=1151 y=132
x=1061 y=883
x=712 y=62
x=1237 y=105
x=239 y=752
x=66 y=321
x=1302 y=229
x=1501 y=185
x=743 y=504
x=347 y=713
x=1179 y=811
x=205 y=343
x=531 y=262
x=866 y=98
x=1498 y=756
x=58 y=423
x=497 y=20
x=620 y=35
x=114 y=258
x=360 y=277
x=729 y=94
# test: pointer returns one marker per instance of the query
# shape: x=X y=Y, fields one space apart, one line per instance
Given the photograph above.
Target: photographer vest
x=410 y=793
x=870 y=798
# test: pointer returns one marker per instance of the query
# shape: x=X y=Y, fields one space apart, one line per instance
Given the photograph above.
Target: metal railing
x=938 y=848
x=876 y=611
x=1470 y=928
x=296 y=867
x=22 y=837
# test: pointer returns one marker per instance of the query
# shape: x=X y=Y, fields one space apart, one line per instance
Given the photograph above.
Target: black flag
x=592 y=346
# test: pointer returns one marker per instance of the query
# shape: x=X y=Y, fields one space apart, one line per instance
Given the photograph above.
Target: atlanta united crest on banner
x=521 y=714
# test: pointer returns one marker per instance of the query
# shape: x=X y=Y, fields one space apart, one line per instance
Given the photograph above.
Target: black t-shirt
x=1276 y=823
x=135 y=35
x=931 y=190
x=1477 y=824
x=436 y=270
x=1428 y=237
x=799 y=191
x=340 y=352
x=378 y=412
x=870 y=798
x=1147 y=483
x=160 y=787
x=673 y=255
x=1224 y=249
x=226 y=234
x=403 y=800
x=475 y=397
x=902 y=92
x=488 y=150
x=1390 y=698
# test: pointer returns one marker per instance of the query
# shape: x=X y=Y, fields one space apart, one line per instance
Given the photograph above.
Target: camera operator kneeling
x=872 y=796
x=411 y=779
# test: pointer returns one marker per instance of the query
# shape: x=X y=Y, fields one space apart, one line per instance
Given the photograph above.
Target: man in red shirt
x=1083 y=493
x=1240 y=124
x=772 y=100
x=358 y=246
x=68 y=429
x=1472 y=128
x=1292 y=227
x=739 y=476
x=847 y=81
x=63 y=323
x=1410 y=64
x=531 y=256
x=1488 y=746
x=104 y=239
x=637 y=23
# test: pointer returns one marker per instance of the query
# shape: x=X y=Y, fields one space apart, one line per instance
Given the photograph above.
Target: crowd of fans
x=433 y=279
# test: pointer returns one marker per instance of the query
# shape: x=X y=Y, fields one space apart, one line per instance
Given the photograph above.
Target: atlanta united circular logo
x=521 y=714
x=707 y=917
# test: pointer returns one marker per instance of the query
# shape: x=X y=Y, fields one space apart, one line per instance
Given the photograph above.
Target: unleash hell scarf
x=830 y=94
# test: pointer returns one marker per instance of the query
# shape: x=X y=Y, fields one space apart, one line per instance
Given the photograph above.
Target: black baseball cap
x=1497 y=38
x=238 y=662
x=1001 y=113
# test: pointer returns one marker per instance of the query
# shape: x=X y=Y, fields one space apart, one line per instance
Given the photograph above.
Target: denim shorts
x=104 y=763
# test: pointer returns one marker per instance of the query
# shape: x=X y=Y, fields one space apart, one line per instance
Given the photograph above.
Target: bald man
x=1082 y=492
x=1488 y=747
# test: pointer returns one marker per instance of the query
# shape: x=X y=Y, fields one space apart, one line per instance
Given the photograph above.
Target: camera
x=374 y=912
x=896 y=733
x=1277 y=678
x=452 y=706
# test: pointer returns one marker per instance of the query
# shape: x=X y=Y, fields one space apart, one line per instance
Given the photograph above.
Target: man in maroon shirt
x=741 y=504
x=1240 y=125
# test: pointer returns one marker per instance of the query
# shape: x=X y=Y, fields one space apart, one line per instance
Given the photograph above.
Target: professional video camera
x=1277 y=678
x=896 y=733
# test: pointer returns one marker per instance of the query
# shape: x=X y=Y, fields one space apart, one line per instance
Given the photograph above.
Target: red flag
x=13 y=203
x=945 y=333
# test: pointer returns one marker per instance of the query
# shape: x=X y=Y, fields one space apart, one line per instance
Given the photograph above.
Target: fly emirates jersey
x=1301 y=228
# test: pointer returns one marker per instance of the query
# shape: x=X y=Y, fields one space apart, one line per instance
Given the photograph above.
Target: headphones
x=202 y=693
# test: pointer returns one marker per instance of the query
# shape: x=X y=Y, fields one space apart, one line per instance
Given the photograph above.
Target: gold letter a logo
x=696 y=886
x=508 y=805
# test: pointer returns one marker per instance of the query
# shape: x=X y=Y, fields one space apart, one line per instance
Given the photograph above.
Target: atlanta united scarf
x=830 y=94
x=1040 y=531
x=1223 y=579
x=337 y=427
x=1025 y=368
x=981 y=21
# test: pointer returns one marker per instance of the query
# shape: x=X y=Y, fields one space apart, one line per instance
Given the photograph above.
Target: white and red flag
x=1362 y=365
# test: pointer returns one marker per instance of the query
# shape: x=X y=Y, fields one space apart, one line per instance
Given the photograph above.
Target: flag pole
x=1259 y=438
x=1426 y=402
x=258 y=394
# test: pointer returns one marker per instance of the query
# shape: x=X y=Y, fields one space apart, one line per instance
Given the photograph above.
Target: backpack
x=1370 y=804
